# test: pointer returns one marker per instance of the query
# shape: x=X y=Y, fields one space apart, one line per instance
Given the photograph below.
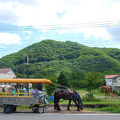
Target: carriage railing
x=10 y=94
x=25 y=95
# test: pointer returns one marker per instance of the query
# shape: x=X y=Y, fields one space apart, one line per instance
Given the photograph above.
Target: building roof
x=110 y=76
x=4 y=70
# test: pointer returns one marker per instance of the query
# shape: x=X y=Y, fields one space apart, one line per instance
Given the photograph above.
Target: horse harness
x=69 y=91
x=62 y=93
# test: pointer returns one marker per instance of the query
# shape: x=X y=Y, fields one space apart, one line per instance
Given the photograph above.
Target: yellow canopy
x=25 y=81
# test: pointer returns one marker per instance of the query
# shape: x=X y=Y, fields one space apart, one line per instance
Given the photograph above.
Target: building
x=7 y=73
x=113 y=81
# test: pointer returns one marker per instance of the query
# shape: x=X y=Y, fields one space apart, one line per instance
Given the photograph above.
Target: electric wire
x=61 y=26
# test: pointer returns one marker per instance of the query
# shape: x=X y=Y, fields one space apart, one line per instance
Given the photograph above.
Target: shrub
x=90 y=97
x=113 y=109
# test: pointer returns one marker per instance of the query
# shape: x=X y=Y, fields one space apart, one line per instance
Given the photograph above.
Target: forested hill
x=50 y=57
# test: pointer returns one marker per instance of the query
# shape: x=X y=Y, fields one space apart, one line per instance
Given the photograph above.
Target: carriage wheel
x=35 y=109
x=40 y=110
x=9 y=109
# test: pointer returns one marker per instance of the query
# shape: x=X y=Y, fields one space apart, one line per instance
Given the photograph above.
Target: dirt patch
x=50 y=109
x=73 y=110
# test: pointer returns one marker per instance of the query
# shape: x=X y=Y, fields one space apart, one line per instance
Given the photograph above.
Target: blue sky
x=95 y=23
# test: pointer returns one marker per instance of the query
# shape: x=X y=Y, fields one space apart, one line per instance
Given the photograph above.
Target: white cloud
x=7 y=38
x=27 y=2
x=45 y=13
x=75 y=11
x=98 y=33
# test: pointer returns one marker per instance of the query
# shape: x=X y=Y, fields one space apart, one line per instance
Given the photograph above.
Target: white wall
x=10 y=74
x=108 y=82
x=6 y=76
x=118 y=81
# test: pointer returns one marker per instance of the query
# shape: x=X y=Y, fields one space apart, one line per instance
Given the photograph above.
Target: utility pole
x=27 y=65
x=24 y=64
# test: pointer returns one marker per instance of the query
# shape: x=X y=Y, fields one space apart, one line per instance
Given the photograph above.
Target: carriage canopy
x=20 y=80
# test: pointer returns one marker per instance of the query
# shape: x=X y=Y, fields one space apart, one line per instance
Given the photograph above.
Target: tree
x=77 y=79
x=63 y=80
x=92 y=81
x=51 y=87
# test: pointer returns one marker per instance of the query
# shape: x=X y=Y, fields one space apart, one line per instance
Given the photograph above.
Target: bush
x=113 y=109
x=90 y=97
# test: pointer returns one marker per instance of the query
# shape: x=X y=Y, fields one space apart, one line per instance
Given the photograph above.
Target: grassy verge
x=111 y=109
x=113 y=105
x=102 y=101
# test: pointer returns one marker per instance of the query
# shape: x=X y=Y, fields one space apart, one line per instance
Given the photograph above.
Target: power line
x=60 y=26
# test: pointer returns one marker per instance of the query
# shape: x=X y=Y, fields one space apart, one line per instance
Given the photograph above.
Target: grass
x=104 y=102
x=100 y=100
x=23 y=107
x=111 y=109
x=113 y=104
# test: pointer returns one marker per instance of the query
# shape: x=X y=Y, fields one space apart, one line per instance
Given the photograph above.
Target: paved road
x=54 y=116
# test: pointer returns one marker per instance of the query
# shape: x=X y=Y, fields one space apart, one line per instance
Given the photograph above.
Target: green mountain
x=113 y=52
x=50 y=57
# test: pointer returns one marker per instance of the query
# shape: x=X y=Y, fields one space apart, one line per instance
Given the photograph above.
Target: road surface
x=57 y=116
x=51 y=114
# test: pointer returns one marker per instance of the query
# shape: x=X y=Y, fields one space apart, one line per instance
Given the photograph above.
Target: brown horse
x=106 y=90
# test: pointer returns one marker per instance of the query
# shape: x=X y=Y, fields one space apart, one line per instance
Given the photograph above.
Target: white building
x=7 y=73
x=113 y=81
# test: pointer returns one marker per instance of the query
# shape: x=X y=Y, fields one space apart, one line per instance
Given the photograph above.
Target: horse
x=106 y=90
x=67 y=94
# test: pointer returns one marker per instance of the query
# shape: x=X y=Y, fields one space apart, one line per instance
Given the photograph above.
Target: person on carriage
x=13 y=91
x=35 y=92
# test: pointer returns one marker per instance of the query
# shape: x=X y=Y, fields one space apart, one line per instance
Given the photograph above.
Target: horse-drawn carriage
x=10 y=100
